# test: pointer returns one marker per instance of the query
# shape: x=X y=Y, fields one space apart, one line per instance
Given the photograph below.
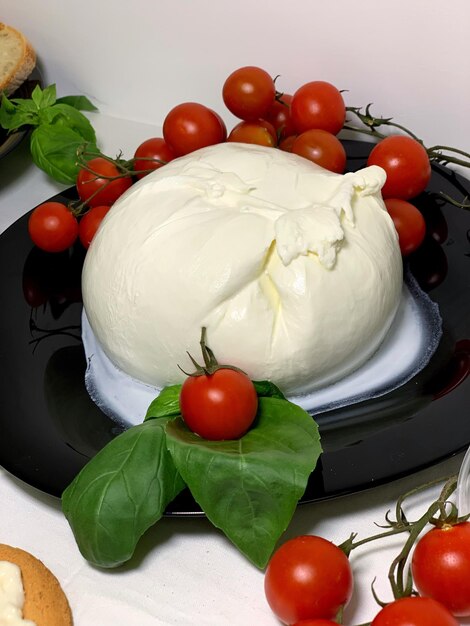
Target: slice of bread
x=17 y=59
x=44 y=600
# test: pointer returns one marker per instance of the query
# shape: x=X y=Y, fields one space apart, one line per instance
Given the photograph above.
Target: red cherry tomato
x=287 y=143
x=308 y=577
x=103 y=184
x=315 y=622
x=190 y=126
x=441 y=567
x=414 y=611
x=322 y=148
x=89 y=224
x=406 y=163
x=279 y=116
x=318 y=105
x=219 y=406
x=248 y=93
x=151 y=155
x=53 y=227
x=409 y=223
x=223 y=127
x=261 y=133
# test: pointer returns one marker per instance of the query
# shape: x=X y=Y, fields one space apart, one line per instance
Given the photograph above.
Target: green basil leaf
x=82 y=103
x=266 y=389
x=249 y=488
x=65 y=116
x=25 y=106
x=120 y=493
x=43 y=98
x=13 y=116
x=166 y=404
x=54 y=149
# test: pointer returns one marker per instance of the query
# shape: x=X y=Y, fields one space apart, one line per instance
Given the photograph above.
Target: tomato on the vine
x=318 y=104
x=287 y=143
x=406 y=163
x=53 y=227
x=101 y=182
x=89 y=224
x=260 y=132
x=190 y=126
x=152 y=154
x=219 y=406
x=315 y=622
x=322 y=148
x=414 y=611
x=441 y=566
x=279 y=116
x=248 y=92
x=308 y=577
x=409 y=223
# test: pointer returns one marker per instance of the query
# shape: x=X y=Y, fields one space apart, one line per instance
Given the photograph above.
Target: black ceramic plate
x=9 y=141
x=50 y=427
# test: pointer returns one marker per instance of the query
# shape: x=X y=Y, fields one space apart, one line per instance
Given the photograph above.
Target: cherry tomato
x=89 y=224
x=315 y=622
x=248 y=92
x=279 y=116
x=151 y=155
x=414 y=611
x=190 y=126
x=406 y=163
x=322 y=148
x=53 y=227
x=308 y=577
x=441 y=567
x=223 y=127
x=287 y=143
x=219 y=406
x=409 y=223
x=318 y=105
x=98 y=187
x=261 y=133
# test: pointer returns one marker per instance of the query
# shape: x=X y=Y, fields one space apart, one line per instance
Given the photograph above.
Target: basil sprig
x=248 y=488
x=59 y=129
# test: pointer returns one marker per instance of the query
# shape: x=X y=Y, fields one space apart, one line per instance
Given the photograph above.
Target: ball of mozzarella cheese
x=295 y=271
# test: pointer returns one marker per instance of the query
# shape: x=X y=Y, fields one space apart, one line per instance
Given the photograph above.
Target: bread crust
x=45 y=602
x=22 y=67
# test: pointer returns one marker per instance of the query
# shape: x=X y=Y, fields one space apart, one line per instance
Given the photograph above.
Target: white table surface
x=184 y=571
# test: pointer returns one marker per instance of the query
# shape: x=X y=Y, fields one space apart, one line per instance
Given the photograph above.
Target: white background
x=136 y=60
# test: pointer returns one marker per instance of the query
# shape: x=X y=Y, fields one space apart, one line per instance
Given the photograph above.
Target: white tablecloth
x=184 y=571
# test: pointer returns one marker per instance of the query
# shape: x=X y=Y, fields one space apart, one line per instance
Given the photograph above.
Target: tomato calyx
x=211 y=365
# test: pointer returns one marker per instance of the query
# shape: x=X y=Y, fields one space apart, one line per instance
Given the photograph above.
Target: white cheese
x=12 y=596
x=295 y=271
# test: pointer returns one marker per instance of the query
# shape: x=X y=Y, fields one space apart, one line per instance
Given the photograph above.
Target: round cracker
x=45 y=602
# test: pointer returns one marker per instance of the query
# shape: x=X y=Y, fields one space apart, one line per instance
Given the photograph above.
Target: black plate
x=50 y=427
x=9 y=141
